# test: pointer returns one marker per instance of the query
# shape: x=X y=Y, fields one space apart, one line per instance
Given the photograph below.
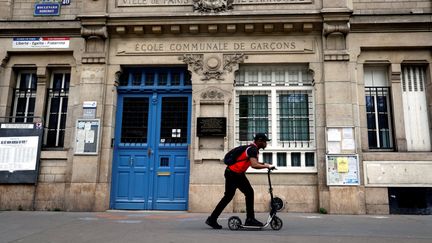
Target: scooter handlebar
x=271 y=168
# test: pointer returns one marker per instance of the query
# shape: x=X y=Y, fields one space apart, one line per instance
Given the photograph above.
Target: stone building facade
x=342 y=88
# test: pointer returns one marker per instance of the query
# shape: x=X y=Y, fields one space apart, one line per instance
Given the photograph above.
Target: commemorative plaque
x=211 y=126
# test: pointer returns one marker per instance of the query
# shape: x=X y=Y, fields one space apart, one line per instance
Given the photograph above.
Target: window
x=254 y=114
x=378 y=108
x=24 y=96
x=294 y=116
x=56 y=111
x=278 y=100
x=415 y=108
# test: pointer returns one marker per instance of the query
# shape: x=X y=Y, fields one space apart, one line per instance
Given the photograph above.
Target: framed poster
x=20 y=146
x=342 y=170
x=341 y=140
x=87 y=136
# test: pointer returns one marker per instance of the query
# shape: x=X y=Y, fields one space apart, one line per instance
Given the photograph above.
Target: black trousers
x=232 y=182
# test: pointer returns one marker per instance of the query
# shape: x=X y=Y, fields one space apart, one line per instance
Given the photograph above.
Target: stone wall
x=392 y=6
x=24 y=9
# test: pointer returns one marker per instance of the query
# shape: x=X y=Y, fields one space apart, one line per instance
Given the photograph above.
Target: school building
x=132 y=104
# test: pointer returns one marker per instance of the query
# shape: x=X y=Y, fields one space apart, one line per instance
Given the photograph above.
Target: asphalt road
x=179 y=227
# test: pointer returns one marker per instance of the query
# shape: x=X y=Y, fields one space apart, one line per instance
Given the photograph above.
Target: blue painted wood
x=158 y=180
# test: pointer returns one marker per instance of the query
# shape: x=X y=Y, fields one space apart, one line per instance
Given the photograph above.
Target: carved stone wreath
x=212 y=6
x=210 y=67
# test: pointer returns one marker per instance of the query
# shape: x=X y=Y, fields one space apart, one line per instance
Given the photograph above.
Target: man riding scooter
x=235 y=177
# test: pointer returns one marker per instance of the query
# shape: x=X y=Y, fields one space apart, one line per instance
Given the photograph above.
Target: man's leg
x=245 y=187
x=230 y=188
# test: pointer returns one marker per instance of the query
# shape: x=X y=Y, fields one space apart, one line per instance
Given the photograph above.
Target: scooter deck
x=256 y=228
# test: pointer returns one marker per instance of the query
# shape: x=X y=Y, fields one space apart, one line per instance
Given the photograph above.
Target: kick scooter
x=234 y=222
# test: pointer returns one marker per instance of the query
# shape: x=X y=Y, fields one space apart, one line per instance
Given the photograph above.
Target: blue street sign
x=47 y=9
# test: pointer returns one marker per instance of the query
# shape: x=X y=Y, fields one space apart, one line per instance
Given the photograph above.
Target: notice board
x=20 y=146
x=342 y=170
x=87 y=136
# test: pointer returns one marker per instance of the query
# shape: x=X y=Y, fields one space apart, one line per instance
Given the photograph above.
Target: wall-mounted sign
x=211 y=126
x=66 y=2
x=90 y=104
x=41 y=42
x=260 y=44
x=89 y=109
x=47 y=9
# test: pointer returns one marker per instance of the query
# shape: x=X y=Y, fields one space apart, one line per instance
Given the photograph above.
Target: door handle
x=131 y=161
x=149 y=152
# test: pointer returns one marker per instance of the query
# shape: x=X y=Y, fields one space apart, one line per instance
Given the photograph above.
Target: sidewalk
x=179 y=227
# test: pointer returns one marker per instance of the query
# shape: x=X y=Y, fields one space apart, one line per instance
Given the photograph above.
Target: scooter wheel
x=278 y=203
x=234 y=223
x=276 y=223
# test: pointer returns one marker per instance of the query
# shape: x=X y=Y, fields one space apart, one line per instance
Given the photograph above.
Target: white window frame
x=273 y=89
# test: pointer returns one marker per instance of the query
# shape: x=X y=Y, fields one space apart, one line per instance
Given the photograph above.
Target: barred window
x=278 y=100
x=378 y=108
x=294 y=116
x=253 y=114
x=24 y=96
x=56 y=110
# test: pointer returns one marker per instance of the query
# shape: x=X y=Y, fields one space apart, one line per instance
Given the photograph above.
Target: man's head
x=261 y=140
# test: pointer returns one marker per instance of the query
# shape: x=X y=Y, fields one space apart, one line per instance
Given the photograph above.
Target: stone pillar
x=42 y=85
x=5 y=88
x=341 y=104
x=397 y=107
x=84 y=191
x=6 y=9
x=212 y=93
x=94 y=7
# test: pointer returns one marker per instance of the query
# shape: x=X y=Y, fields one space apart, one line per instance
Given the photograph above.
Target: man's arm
x=257 y=165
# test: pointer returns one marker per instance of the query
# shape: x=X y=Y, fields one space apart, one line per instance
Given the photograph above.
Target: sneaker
x=253 y=222
x=213 y=223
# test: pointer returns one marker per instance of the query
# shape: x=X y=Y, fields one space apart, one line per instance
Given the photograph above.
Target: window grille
x=174 y=121
x=378 y=107
x=277 y=100
x=378 y=115
x=254 y=115
x=24 y=97
x=295 y=112
x=57 y=102
x=293 y=75
x=154 y=78
x=134 y=120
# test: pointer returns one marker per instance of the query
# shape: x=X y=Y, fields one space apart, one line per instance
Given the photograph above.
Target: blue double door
x=151 y=164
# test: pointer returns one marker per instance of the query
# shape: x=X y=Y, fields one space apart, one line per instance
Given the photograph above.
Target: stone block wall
x=392 y=6
x=5 y=9
x=48 y=194
x=24 y=9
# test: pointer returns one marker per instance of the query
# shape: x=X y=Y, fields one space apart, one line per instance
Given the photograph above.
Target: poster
x=20 y=146
x=18 y=153
x=341 y=140
x=343 y=170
